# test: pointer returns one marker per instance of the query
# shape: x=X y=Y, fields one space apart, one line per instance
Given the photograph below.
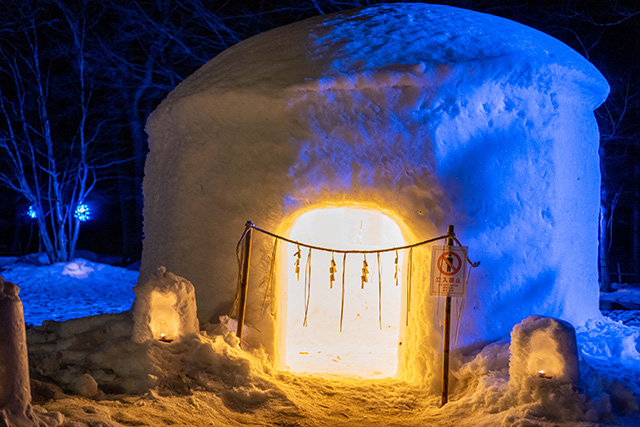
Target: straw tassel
x=297 y=263
x=332 y=272
x=395 y=274
x=344 y=269
x=365 y=271
x=379 y=291
x=409 y=267
x=307 y=287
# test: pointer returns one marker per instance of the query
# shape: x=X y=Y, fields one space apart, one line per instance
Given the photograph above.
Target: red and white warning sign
x=448 y=271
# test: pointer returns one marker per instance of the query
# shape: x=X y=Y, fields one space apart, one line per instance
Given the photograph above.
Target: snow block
x=93 y=355
x=545 y=349
x=15 y=389
x=164 y=308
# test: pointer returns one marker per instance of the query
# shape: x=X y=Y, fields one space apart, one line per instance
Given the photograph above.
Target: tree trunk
x=603 y=261
x=635 y=221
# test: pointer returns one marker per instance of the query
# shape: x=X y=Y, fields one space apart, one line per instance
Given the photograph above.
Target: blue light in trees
x=31 y=212
x=82 y=213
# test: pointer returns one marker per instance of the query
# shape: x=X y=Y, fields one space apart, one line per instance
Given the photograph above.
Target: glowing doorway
x=362 y=348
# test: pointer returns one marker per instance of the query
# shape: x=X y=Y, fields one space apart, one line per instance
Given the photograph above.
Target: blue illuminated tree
x=47 y=147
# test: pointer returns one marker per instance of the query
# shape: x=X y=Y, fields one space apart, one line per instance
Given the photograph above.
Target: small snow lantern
x=545 y=348
x=164 y=308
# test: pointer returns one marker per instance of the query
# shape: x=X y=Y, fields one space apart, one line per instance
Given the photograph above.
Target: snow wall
x=432 y=114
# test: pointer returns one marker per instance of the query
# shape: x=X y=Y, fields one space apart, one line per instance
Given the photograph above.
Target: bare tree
x=49 y=154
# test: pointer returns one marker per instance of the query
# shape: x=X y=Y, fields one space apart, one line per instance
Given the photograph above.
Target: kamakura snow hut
x=428 y=115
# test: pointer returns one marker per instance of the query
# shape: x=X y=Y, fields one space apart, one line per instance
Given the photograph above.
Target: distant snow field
x=70 y=290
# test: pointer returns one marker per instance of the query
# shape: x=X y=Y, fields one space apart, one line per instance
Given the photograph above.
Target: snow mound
x=79 y=268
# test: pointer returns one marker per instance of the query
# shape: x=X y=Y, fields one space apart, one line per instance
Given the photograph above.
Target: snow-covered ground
x=70 y=290
x=211 y=381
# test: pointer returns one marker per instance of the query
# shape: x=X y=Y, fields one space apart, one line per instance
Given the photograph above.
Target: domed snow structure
x=430 y=115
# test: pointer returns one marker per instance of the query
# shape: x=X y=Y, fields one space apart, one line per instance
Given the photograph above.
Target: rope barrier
x=344 y=252
x=354 y=251
x=348 y=251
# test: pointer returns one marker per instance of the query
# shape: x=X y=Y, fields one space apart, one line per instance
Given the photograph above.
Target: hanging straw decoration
x=365 y=271
x=409 y=267
x=307 y=287
x=298 y=255
x=271 y=285
x=270 y=290
x=379 y=291
x=240 y=259
x=395 y=274
x=332 y=272
x=344 y=264
x=461 y=308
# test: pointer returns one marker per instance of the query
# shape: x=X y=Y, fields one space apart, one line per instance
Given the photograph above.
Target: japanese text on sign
x=448 y=271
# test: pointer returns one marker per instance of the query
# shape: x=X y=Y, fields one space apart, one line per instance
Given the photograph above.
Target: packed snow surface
x=70 y=290
x=209 y=380
x=91 y=372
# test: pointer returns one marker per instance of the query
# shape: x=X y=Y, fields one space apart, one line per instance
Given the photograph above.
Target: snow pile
x=606 y=339
x=79 y=268
x=70 y=290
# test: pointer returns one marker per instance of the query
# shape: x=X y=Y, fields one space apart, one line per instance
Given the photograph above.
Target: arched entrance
x=368 y=344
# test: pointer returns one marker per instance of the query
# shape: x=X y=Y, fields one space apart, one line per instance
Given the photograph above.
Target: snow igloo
x=372 y=128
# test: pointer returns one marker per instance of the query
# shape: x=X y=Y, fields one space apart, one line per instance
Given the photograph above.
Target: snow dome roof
x=411 y=37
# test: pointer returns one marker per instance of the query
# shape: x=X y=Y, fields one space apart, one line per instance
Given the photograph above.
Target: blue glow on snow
x=70 y=290
x=82 y=213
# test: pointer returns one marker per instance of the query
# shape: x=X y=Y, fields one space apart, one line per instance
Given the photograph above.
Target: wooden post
x=244 y=279
x=446 y=336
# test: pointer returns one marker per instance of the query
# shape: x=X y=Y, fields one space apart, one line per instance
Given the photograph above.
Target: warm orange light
x=164 y=322
x=362 y=349
x=544 y=357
